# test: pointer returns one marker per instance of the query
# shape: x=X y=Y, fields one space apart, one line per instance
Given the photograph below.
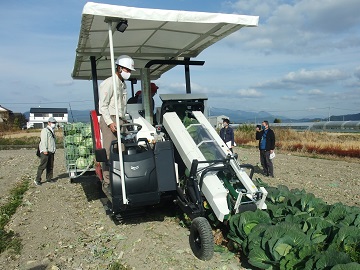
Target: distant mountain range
x=79 y=116
x=235 y=116
x=238 y=116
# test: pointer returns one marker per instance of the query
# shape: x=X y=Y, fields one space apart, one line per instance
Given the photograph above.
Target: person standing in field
x=227 y=134
x=124 y=66
x=47 y=147
x=266 y=138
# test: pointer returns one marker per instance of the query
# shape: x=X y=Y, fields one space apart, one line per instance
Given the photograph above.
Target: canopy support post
x=187 y=76
x=118 y=135
x=146 y=94
x=95 y=83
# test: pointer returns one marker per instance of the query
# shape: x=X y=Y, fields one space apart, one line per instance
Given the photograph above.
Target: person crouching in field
x=266 y=137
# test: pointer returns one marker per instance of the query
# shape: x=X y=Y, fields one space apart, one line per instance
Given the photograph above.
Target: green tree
x=277 y=120
x=18 y=121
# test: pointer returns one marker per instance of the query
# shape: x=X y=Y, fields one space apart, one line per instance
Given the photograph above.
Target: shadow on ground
x=91 y=186
x=93 y=191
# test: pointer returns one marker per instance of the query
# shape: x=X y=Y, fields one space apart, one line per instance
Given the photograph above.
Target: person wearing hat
x=47 y=147
x=124 y=66
x=134 y=99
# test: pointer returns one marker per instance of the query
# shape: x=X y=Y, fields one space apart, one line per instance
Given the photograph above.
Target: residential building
x=39 y=116
x=5 y=114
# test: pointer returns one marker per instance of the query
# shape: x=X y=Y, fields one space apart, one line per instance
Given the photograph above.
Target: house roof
x=152 y=34
x=4 y=109
x=48 y=110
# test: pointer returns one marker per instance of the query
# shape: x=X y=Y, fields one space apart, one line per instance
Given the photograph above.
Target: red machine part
x=95 y=128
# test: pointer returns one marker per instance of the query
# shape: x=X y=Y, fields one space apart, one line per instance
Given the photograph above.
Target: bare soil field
x=63 y=225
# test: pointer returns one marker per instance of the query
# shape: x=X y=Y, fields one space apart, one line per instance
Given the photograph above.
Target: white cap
x=52 y=120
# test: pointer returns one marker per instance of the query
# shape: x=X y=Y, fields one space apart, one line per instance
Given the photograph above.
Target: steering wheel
x=131 y=132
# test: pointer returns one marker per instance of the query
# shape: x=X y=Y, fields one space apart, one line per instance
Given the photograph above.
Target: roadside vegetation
x=306 y=142
x=343 y=145
x=8 y=239
x=25 y=138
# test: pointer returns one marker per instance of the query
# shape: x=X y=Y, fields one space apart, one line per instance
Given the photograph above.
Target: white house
x=39 y=116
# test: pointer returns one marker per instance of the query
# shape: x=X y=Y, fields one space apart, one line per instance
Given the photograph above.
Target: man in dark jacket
x=227 y=134
x=266 y=137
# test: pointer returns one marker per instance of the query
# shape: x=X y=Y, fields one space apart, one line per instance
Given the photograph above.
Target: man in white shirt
x=47 y=148
x=124 y=66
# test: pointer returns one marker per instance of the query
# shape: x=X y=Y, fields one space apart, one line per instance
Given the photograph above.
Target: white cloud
x=248 y=93
x=255 y=7
x=290 y=98
x=357 y=73
x=64 y=83
x=315 y=77
x=180 y=88
x=301 y=27
x=312 y=92
x=295 y=79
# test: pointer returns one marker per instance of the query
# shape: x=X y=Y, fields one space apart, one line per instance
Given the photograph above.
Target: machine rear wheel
x=201 y=239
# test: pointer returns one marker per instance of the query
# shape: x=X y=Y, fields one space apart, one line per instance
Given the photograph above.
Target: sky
x=303 y=59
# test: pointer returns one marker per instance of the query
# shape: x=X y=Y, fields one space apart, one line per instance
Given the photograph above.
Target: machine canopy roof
x=152 y=34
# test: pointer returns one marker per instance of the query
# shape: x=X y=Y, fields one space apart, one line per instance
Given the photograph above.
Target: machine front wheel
x=201 y=239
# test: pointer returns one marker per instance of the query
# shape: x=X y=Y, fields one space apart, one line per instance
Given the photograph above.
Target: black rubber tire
x=201 y=239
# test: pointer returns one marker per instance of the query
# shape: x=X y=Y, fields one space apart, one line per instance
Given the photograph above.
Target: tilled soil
x=63 y=225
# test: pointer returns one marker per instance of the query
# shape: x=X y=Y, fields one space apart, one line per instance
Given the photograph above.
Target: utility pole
x=71 y=113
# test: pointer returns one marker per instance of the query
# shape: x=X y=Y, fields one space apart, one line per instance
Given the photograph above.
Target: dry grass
x=307 y=142
x=344 y=145
x=26 y=137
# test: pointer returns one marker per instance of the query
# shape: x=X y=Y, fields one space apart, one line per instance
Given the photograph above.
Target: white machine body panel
x=215 y=194
x=241 y=174
x=199 y=140
x=212 y=188
x=181 y=138
x=147 y=130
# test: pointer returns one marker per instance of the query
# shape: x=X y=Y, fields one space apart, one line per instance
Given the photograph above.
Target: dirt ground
x=63 y=225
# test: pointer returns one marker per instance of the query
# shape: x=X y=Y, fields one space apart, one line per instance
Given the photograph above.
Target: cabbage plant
x=298 y=231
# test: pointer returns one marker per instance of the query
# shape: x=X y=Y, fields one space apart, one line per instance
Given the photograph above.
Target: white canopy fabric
x=152 y=34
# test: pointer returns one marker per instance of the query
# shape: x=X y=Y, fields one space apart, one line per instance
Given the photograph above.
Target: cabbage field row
x=78 y=146
x=298 y=231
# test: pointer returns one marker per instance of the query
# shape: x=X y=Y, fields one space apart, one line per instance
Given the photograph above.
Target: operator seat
x=140 y=174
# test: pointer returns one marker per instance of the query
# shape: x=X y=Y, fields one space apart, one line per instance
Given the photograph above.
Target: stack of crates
x=78 y=148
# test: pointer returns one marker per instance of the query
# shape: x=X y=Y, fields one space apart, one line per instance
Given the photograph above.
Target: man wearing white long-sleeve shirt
x=124 y=66
x=47 y=148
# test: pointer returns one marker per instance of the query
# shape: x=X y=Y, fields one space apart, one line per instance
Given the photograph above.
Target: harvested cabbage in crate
x=78 y=146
